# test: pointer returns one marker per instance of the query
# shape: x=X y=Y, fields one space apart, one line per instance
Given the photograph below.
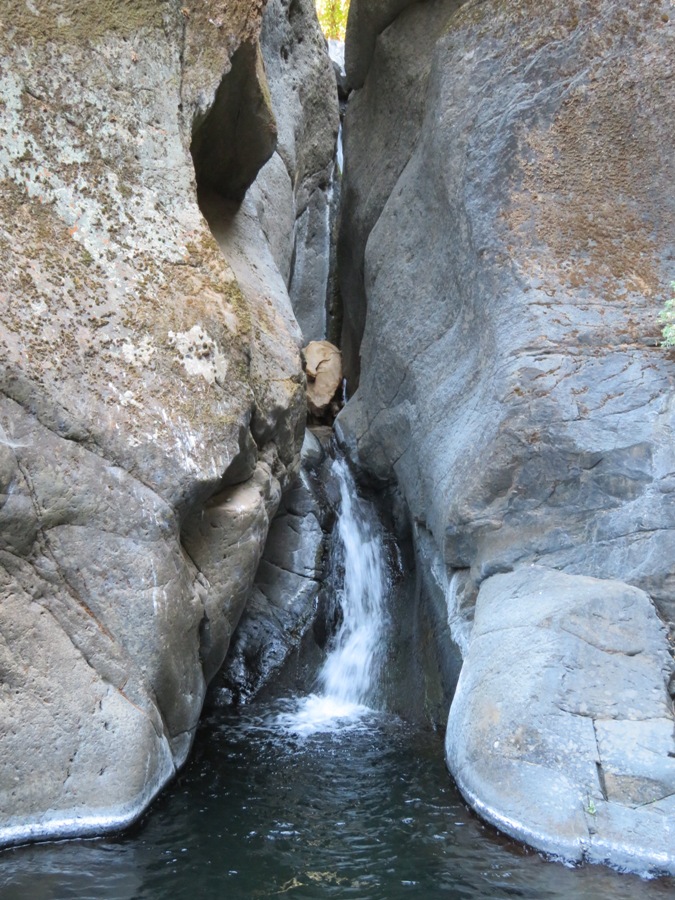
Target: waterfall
x=339 y=152
x=350 y=672
x=350 y=676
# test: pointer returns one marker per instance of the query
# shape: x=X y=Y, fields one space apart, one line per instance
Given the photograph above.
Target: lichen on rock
x=144 y=384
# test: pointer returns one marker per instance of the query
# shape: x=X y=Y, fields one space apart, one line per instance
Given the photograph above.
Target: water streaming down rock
x=350 y=677
x=350 y=672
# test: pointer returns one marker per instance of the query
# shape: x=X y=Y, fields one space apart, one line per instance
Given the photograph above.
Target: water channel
x=324 y=795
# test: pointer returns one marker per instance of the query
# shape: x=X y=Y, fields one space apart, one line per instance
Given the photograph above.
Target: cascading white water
x=351 y=673
x=339 y=152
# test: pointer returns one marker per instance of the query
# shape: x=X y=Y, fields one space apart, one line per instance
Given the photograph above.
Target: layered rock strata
x=151 y=392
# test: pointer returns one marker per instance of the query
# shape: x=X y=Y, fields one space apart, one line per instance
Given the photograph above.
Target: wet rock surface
x=152 y=398
x=287 y=594
x=561 y=732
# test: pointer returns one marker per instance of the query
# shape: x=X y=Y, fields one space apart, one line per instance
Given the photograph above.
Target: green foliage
x=667 y=319
x=333 y=17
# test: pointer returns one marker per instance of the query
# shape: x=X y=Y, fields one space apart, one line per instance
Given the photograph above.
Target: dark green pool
x=361 y=811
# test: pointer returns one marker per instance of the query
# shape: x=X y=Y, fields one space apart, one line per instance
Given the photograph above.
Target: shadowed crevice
x=239 y=133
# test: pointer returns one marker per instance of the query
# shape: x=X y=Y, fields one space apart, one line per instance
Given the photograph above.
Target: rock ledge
x=561 y=732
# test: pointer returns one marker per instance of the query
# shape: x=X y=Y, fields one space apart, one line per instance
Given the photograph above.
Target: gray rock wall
x=506 y=245
x=285 y=596
x=293 y=191
x=151 y=391
x=561 y=730
x=515 y=262
x=381 y=128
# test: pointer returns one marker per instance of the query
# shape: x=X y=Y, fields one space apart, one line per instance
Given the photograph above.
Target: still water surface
x=362 y=810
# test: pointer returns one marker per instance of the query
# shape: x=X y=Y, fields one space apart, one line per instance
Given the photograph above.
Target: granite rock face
x=293 y=191
x=503 y=265
x=366 y=22
x=151 y=391
x=515 y=262
x=285 y=597
x=561 y=732
x=382 y=125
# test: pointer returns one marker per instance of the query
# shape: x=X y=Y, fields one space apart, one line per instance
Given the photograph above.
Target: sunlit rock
x=323 y=367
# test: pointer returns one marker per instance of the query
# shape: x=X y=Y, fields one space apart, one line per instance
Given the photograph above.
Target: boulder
x=323 y=366
x=561 y=732
x=312 y=452
x=152 y=398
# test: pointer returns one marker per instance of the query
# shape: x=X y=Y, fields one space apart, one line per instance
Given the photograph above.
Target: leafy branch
x=333 y=17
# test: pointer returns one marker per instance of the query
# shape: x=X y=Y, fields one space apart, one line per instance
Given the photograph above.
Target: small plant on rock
x=667 y=319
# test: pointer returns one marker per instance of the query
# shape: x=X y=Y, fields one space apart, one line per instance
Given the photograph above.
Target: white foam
x=318 y=714
x=350 y=675
x=351 y=671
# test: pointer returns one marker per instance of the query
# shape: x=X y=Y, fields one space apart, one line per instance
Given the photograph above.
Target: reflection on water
x=366 y=811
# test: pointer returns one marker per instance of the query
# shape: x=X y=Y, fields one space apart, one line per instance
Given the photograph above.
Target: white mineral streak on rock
x=6 y=441
x=460 y=628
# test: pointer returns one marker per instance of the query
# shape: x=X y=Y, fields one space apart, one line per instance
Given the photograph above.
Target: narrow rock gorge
x=493 y=275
